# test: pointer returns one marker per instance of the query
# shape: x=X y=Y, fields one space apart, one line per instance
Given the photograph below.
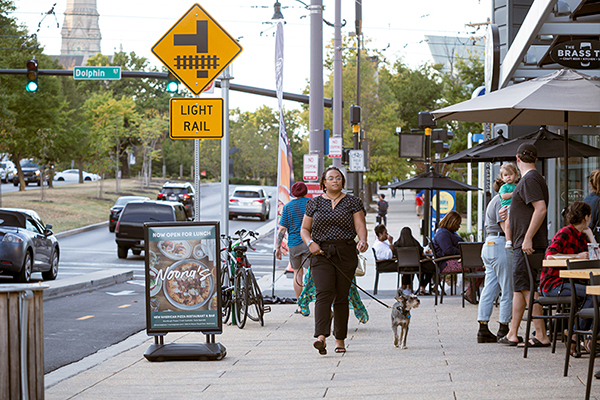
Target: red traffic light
x=32 y=64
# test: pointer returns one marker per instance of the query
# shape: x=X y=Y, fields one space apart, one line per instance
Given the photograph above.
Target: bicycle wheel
x=241 y=298
x=226 y=292
x=253 y=313
x=256 y=300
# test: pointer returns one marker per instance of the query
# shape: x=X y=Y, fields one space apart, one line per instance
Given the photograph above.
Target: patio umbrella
x=431 y=181
x=467 y=155
x=565 y=96
x=548 y=144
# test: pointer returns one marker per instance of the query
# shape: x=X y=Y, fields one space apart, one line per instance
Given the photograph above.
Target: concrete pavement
x=277 y=361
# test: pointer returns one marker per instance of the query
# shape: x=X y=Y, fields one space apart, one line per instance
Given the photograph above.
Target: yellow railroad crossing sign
x=196 y=118
x=196 y=49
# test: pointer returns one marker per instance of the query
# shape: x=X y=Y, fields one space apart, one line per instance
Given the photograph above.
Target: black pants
x=333 y=287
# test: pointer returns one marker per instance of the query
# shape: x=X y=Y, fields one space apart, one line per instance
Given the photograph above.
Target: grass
x=75 y=205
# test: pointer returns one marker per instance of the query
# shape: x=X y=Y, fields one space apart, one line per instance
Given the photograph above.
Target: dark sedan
x=27 y=245
x=116 y=209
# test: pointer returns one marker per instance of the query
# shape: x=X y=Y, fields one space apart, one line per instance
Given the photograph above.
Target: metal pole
x=197 y=179
x=337 y=77
x=427 y=200
x=356 y=135
x=225 y=154
x=566 y=159
x=315 y=106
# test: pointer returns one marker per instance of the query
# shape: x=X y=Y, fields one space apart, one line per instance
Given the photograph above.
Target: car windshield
x=147 y=213
x=121 y=201
x=169 y=191
x=28 y=164
x=246 y=193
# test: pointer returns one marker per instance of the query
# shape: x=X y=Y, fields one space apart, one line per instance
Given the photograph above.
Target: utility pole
x=337 y=78
x=316 y=144
x=356 y=133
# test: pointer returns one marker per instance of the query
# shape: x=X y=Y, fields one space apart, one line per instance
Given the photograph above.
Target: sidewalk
x=277 y=361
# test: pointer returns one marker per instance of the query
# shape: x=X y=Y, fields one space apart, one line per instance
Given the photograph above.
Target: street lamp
x=277 y=14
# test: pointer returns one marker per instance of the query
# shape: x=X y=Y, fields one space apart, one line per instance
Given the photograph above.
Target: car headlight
x=10 y=238
x=37 y=173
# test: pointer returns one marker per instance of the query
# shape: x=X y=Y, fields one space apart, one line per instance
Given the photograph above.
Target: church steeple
x=80 y=31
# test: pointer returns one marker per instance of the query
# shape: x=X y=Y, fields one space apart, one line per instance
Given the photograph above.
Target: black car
x=27 y=245
x=130 y=227
x=181 y=192
x=31 y=173
x=115 y=210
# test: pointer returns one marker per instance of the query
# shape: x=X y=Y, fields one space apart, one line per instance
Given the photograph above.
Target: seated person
x=406 y=239
x=570 y=240
x=384 y=250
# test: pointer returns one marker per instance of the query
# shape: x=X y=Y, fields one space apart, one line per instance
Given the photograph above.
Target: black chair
x=594 y=280
x=548 y=304
x=441 y=275
x=409 y=260
x=471 y=262
x=382 y=266
x=585 y=313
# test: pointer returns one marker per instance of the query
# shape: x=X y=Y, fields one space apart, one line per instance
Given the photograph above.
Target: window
x=31 y=226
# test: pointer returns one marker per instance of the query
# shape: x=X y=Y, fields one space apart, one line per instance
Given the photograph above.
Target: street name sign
x=196 y=118
x=196 y=49
x=97 y=73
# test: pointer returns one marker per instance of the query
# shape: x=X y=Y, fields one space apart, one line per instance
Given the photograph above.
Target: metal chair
x=471 y=262
x=382 y=266
x=409 y=260
x=584 y=313
x=548 y=304
x=440 y=275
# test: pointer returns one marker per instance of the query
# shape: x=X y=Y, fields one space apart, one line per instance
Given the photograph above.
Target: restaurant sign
x=577 y=54
x=182 y=276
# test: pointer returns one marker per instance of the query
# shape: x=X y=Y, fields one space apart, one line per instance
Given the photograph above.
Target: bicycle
x=240 y=290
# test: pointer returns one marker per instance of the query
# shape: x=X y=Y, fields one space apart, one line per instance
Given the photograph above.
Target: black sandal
x=320 y=345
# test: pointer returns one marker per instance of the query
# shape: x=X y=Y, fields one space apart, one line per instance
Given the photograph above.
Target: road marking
x=140 y=283
x=86 y=317
x=122 y=293
x=124 y=306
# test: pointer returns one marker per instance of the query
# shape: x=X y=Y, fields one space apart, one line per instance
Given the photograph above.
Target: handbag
x=361 y=267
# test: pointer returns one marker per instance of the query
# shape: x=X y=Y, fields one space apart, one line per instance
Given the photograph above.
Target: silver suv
x=249 y=201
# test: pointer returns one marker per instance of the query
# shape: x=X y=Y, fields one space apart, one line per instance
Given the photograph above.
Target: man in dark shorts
x=382 y=207
x=529 y=227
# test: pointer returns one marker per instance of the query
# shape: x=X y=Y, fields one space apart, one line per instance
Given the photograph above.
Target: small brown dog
x=401 y=316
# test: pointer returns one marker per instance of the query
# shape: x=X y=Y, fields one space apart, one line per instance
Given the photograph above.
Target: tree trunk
x=80 y=166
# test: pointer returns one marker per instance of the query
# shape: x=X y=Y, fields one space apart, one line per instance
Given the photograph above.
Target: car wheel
x=111 y=228
x=25 y=275
x=262 y=217
x=60 y=179
x=16 y=183
x=136 y=252
x=39 y=183
x=122 y=252
x=52 y=273
x=231 y=217
x=87 y=178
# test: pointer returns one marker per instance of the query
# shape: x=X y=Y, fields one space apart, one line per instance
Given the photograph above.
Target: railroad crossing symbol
x=196 y=49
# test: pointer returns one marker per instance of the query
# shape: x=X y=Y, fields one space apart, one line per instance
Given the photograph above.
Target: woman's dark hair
x=577 y=212
x=595 y=181
x=406 y=239
x=451 y=221
x=324 y=176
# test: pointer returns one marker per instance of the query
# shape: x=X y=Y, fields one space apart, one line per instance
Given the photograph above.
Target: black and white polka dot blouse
x=333 y=224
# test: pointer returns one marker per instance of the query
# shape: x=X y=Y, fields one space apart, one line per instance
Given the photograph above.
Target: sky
x=396 y=27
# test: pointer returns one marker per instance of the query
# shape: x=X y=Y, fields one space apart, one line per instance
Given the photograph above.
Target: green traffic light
x=172 y=86
x=31 y=86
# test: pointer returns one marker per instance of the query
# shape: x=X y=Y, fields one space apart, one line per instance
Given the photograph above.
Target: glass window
x=146 y=213
x=246 y=193
x=31 y=226
x=180 y=214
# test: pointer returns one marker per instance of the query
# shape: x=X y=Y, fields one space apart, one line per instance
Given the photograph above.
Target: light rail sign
x=196 y=118
x=196 y=49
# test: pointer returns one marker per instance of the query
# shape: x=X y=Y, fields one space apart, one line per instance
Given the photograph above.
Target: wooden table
x=593 y=289
x=562 y=263
x=579 y=273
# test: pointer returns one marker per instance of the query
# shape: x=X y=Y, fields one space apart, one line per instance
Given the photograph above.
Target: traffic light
x=32 y=76
x=438 y=137
x=172 y=83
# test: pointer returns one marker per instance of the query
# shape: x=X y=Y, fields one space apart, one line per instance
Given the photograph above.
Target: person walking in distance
x=382 y=208
x=291 y=222
x=498 y=273
x=330 y=224
x=529 y=228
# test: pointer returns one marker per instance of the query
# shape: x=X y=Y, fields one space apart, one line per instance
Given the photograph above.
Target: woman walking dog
x=329 y=227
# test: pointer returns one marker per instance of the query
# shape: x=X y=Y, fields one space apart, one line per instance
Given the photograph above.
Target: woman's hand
x=315 y=249
x=362 y=246
x=584 y=255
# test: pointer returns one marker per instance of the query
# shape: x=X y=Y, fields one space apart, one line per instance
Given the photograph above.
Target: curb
x=92 y=281
x=79 y=230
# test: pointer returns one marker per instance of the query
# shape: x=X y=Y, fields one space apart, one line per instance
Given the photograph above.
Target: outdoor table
x=595 y=289
x=562 y=263
x=579 y=273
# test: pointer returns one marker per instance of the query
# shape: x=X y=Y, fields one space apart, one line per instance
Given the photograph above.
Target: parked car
x=130 y=227
x=116 y=209
x=181 y=192
x=73 y=175
x=7 y=171
x=249 y=201
x=31 y=173
x=27 y=245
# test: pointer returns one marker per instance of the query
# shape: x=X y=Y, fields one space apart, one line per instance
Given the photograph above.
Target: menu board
x=182 y=275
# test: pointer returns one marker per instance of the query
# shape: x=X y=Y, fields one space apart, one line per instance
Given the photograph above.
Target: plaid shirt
x=568 y=240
